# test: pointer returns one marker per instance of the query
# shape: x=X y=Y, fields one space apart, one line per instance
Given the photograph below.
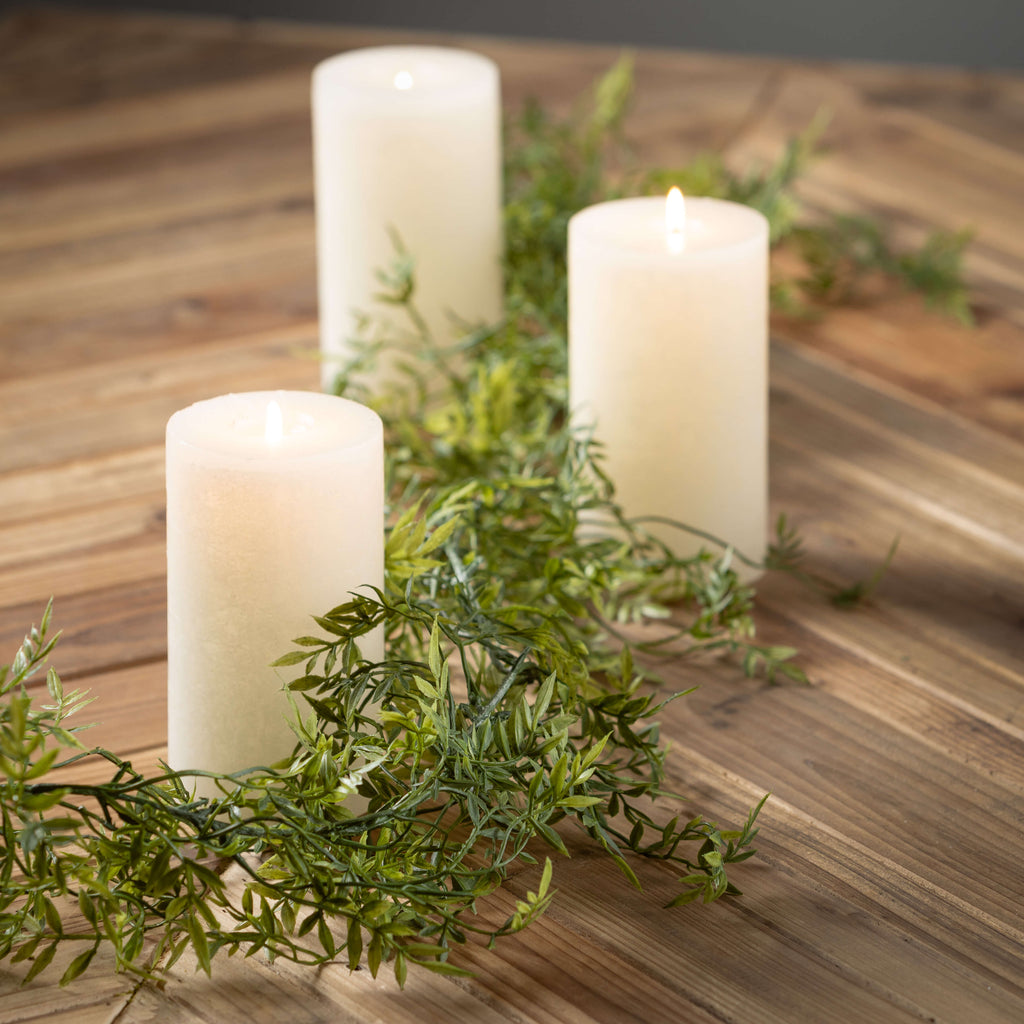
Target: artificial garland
x=509 y=707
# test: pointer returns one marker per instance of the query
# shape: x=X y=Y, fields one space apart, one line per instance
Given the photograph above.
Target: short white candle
x=406 y=138
x=274 y=513
x=668 y=353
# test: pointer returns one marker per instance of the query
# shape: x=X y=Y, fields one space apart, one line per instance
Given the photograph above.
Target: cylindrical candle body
x=668 y=362
x=262 y=533
x=406 y=138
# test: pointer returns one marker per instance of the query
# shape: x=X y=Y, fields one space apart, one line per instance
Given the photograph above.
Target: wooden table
x=156 y=247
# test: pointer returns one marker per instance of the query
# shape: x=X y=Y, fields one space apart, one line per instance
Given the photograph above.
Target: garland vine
x=516 y=699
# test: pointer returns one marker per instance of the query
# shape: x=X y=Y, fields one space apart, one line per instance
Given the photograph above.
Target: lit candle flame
x=403 y=80
x=675 y=220
x=275 y=424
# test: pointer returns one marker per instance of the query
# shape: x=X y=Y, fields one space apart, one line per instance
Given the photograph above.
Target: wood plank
x=99 y=999
x=101 y=629
x=893 y=165
x=186 y=312
x=819 y=957
x=911 y=162
x=861 y=889
x=99 y=995
x=104 y=57
x=806 y=748
x=109 y=527
x=984 y=105
x=81 y=574
x=157 y=248
x=226 y=261
x=128 y=713
x=902 y=698
x=183 y=111
x=869 y=402
x=555 y=976
x=128 y=404
x=942 y=586
x=100 y=198
x=826 y=857
x=867 y=961
x=124 y=475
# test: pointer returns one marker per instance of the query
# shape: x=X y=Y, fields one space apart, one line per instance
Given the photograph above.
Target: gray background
x=971 y=33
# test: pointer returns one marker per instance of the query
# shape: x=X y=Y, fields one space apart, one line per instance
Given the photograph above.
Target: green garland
x=509 y=708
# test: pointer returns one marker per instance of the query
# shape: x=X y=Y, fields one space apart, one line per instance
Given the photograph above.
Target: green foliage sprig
x=557 y=167
x=510 y=707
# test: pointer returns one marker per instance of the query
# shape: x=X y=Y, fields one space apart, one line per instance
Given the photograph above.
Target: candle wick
x=675 y=220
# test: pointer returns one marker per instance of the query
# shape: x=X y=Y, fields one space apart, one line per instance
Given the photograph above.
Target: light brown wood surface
x=156 y=247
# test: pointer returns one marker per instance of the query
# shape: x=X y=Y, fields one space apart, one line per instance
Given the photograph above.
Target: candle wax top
x=637 y=226
x=235 y=427
x=407 y=72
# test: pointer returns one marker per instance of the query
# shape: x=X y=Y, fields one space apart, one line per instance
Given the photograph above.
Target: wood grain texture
x=156 y=247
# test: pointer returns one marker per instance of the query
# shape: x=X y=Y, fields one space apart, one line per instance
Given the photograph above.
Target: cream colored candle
x=409 y=138
x=668 y=332
x=274 y=513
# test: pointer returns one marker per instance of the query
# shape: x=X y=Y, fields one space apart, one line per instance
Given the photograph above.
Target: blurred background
x=974 y=33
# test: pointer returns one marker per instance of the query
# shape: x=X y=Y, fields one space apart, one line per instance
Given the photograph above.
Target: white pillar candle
x=668 y=353
x=275 y=513
x=406 y=138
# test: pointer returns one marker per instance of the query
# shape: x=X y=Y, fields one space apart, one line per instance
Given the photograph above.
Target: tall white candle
x=274 y=513
x=668 y=331
x=406 y=138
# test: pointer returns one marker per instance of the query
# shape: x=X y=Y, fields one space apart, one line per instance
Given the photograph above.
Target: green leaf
x=54 y=686
x=434 y=651
x=326 y=938
x=291 y=658
x=41 y=962
x=354 y=943
x=552 y=838
x=42 y=766
x=25 y=950
x=52 y=917
x=576 y=802
x=374 y=952
x=87 y=907
x=43 y=801
x=78 y=965
x=200 y=945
